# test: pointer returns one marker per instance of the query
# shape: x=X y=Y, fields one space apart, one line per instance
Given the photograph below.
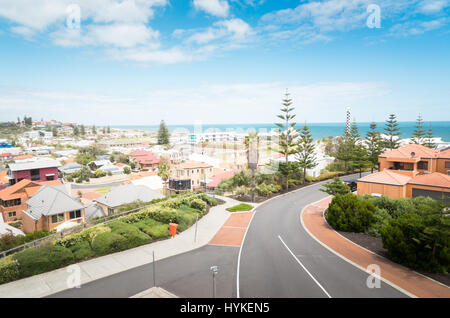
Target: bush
x=335 y=187
x=350 y=213
x=153 y=228
x=33 y=261
x=420 y=240
x=9 y=270
x=198 y=204
x=108 y=242
x=126 y=170
x=82 y=251
x=83 y=236
x=381 y=218
x=241 y=207
x=134 y=237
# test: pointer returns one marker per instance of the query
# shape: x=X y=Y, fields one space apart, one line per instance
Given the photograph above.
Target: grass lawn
x=102 y=190
x=240 y=207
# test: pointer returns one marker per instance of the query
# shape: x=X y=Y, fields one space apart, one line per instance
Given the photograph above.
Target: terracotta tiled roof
x=444 y=154
x=8 y=193
x=6 y=154
x=434 y=179
x=4 y=176
x=386 y=177
x=23 y=157
x=216 y=179
x=406 y=151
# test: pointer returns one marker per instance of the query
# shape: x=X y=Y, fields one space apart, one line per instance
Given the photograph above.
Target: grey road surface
x=280 y=259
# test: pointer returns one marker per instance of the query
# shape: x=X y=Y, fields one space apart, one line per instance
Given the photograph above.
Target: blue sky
x=222 y=61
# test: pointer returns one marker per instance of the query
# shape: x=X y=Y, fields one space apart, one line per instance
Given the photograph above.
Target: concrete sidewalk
x=55 y=281
x=398 y=276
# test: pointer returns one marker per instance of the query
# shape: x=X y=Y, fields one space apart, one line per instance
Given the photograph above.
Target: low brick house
x=38 y=170
x=50 y=207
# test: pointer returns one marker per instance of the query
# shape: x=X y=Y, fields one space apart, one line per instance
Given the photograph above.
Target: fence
x=86 y=225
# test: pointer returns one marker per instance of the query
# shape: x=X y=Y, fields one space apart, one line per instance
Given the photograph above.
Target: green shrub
x=381 y=218
x=109 y=242
x=420 y=240
x=87 y=235
x=153 y=228
x=9 y=270
x=240 y=207
x=263 y=190
x=82 y=251
x=350 y=213
x=134 y=237
x=395 y=207
x=33 y=261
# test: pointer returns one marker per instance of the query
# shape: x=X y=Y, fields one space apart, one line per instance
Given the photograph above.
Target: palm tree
x=251 y=147
x=164 y=173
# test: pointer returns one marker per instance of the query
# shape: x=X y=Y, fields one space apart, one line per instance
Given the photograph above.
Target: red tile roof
x=407 y=151
x=23 y=157
x=217 y=178
x=434 y=179
x=386 y=177
x=145 y=157
x=6 y=154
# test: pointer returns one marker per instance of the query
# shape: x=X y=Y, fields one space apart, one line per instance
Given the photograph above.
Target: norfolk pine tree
x=374 y=145
x=163 y=134
x=305 y=152
x=287 y=132
x=392 y=132
x=419 y=132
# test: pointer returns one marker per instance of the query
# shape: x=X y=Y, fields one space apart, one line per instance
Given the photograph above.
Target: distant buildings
x=145 y=160
x=190 y=175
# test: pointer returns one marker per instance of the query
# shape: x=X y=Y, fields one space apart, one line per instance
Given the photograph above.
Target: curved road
x=280 y=259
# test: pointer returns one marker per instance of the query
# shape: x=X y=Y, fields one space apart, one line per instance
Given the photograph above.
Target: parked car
x=352 y=185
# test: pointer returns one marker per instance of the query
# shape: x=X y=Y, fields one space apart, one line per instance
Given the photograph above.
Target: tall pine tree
x=429 y=139
x=374 y=145
x=163 y=134
x=419 y=132
x=305 y=152
x=392 y=141
x=287 y=132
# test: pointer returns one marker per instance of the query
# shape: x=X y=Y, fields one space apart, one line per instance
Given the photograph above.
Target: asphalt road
x=280 y=259
x=185 y=275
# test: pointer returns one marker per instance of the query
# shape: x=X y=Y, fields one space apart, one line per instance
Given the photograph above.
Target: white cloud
x=416 y=27
x=219 y=8
x=433 y=6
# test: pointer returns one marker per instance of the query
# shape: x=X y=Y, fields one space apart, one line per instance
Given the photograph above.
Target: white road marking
x=303 y=266
x=239 y=256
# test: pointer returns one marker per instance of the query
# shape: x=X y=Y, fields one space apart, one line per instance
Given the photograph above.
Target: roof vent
x=413 y=154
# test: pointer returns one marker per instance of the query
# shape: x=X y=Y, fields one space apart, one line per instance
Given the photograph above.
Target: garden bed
x=375 y=245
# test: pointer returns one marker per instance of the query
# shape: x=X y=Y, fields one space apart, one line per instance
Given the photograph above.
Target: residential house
x=111 y=201
x=38 y=170
x=98 y=164
x=52 y=207
x=6 y=156
x=13 y=198
x=410 y=171
x=190 y=175
x=70 y=168
x=145 y=160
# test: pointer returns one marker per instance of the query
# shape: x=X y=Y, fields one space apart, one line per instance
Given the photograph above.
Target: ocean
x=318 y=130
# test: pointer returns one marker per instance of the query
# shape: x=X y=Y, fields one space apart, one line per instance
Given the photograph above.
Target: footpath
x=398 y=276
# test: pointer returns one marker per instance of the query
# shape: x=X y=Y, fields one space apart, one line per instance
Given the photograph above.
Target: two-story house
x=38 y=170
x=190 y=175
x=13 y=198
x=145 y=160
x=410 y=171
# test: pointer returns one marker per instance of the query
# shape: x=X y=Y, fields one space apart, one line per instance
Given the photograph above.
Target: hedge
x=153 y=228
x=33 y=261
x=134 y=237
x=9 y=269
x=240 y=207
x=109 y=242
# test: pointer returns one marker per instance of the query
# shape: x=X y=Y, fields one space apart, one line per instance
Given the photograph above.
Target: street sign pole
x=196 y=225
x=154 y=272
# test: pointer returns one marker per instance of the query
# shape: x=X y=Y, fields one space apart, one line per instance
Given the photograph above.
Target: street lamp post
x=253 y=161
x=214 y=270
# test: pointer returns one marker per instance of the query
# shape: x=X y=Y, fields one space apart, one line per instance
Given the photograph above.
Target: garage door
x=436 y=195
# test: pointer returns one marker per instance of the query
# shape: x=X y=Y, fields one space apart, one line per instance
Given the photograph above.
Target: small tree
x=54 y=132
x=374 y=145
x=76 y=131
x=287 y=132
x=392 y=132
x=94 y=130
x=163 y=134
x=82 y=130
x=429 y=139
x=360 y=158
x=335 y=187
x=305 y=152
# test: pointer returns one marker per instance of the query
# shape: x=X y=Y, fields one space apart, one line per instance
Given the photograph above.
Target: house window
x=49 y=178
x=58 y=218
x=35 y=174
x=75 y=214
x=11 y=214
x=447 y=164
x=110 y=211
x=422 y=165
